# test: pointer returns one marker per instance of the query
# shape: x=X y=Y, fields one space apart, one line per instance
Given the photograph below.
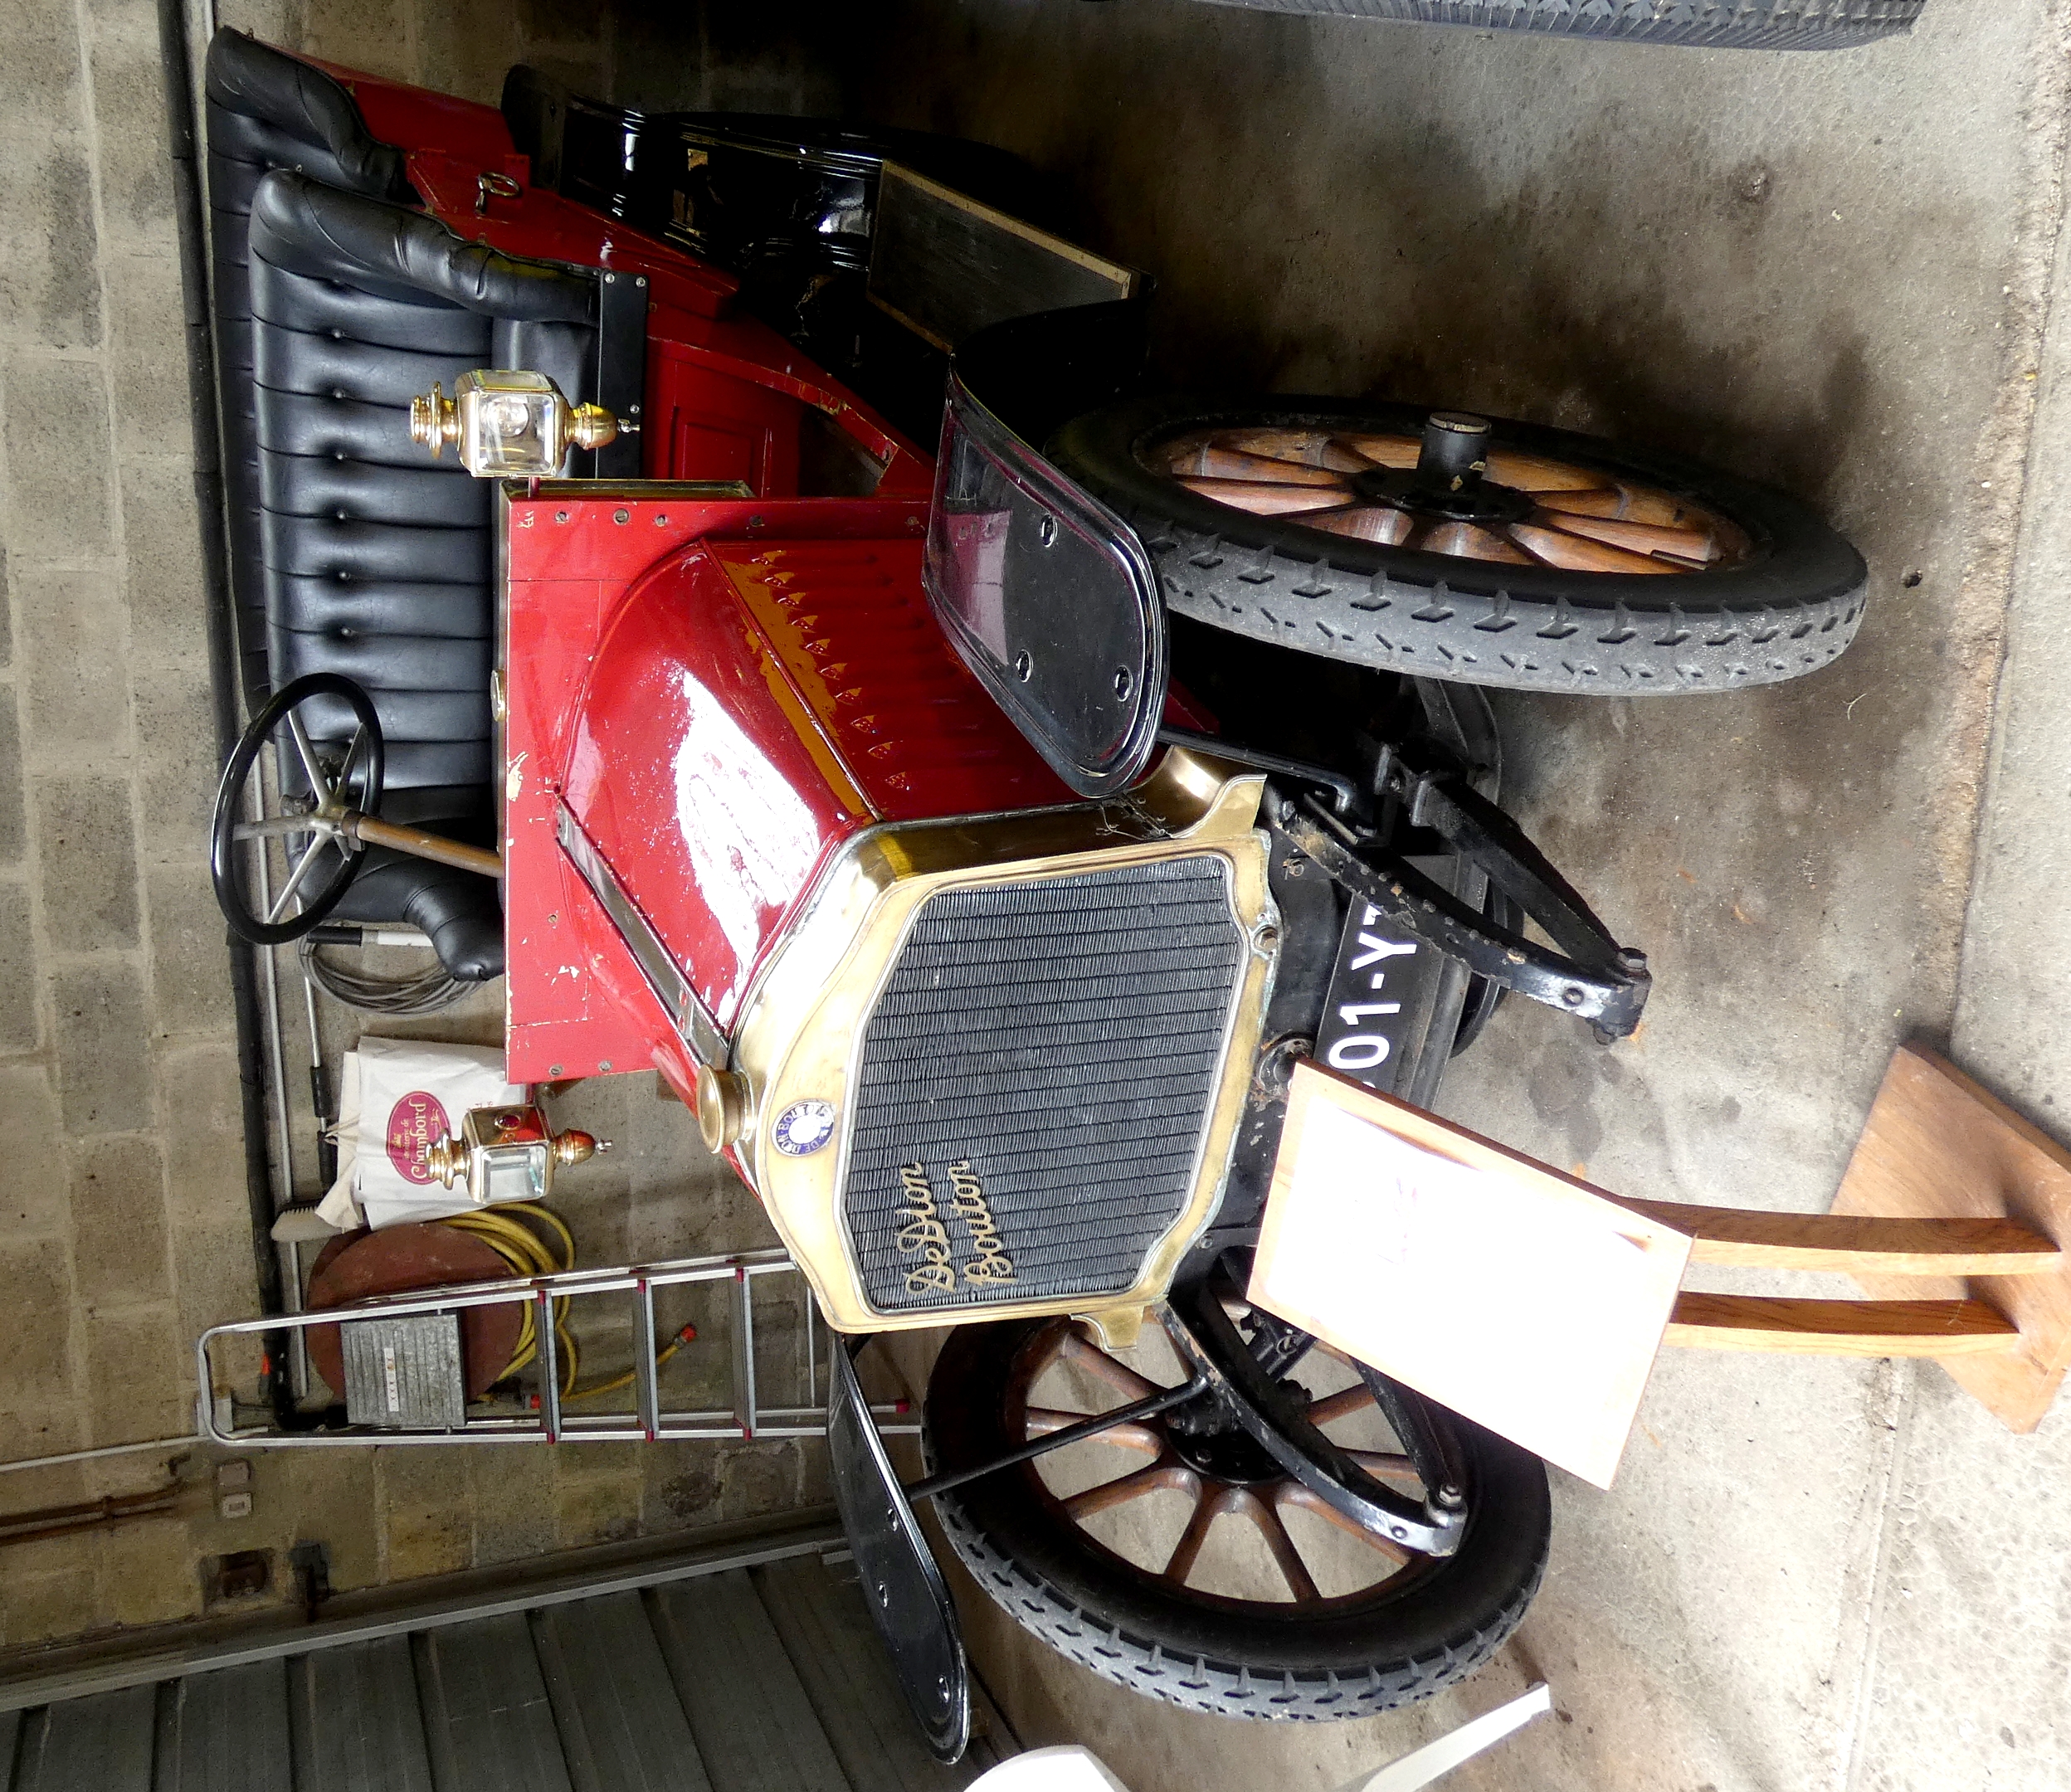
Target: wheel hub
x=1449 y=481
x=1219 y=1451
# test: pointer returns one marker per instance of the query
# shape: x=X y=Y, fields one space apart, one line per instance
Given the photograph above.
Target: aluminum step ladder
x=406 y=1350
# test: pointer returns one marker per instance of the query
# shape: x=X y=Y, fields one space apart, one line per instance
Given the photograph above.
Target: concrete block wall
x=123 y=1213
x=122 y=1222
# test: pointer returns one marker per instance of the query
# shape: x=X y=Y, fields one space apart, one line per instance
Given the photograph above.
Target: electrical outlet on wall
x=233 y=1489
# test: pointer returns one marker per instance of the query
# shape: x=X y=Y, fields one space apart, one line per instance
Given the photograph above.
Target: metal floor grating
x=761 y=1679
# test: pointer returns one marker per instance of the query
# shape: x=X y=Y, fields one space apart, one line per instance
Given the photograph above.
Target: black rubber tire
x=1789 y=608
x=1127 y=1626
x=1714 y=24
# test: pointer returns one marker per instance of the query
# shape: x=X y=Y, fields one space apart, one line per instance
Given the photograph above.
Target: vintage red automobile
x=975 y=839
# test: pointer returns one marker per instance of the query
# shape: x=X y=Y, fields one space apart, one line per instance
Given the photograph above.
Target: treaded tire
x=1225 y=1657
x=1789 y=608
x=1715 y=24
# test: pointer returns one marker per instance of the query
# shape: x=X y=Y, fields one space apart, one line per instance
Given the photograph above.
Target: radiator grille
x=1041 y=1064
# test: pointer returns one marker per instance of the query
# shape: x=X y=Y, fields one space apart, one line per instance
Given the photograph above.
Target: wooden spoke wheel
x=1453 y=546
x=1174 y=1556
x=1520 y=509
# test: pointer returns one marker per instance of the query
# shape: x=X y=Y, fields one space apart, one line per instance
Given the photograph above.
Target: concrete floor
x=1835 y=273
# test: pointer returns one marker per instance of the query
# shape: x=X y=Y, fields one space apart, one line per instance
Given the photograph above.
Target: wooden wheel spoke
x=1373 y=523
x=1209 y=1505
x=1578 y=553
x=1285 y=1556
x=1468 y=540
x=1692 y=544
x=1217 y=460
x=1357 y=1398
x=1292 y=1492
x=1293 y=447
x=1043 y=1420
x=1387 y=1464
x=1628 y=502
x=1388 y=451
x=1262 y=498
x=1074 y=1348
x=1109 y=1494
x=1536 y=473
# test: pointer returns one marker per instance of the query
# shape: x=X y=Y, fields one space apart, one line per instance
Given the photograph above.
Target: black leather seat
x=267 y=111
x=354 y=551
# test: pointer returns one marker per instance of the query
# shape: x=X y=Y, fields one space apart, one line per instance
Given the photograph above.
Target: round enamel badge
x=803 y=1128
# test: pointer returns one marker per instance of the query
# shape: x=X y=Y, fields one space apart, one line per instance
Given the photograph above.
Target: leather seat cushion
x=266 y=111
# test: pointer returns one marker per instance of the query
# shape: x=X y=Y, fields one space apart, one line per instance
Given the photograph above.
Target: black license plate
x=1381 y=995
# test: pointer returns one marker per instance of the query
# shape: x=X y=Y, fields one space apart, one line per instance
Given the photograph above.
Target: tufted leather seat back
x=377 y=559
x=352 y=550
x=267 y=111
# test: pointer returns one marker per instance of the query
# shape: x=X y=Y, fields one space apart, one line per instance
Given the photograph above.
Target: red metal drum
x=404 y=1259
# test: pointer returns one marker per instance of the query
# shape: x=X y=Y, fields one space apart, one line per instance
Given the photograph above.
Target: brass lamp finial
x=575 y=1147
x=591 y=427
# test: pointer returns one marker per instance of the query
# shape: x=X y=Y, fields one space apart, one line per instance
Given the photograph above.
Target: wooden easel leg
x=1840 y=1327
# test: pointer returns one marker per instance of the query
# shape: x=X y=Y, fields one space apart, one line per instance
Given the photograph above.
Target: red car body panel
x=725 y=393
x=721 y=691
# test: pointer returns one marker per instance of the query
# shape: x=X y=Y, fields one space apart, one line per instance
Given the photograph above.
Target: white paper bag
x=396 y=1098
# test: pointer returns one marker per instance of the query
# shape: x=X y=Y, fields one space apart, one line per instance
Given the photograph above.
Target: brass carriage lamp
x=507 y=1153
x=507 y=423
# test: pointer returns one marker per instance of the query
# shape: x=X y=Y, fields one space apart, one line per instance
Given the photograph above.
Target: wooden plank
x=1753 y=1238
x=1524 y=1298
x=946 y=266
x=1938 y=1146
x=1838 y=1328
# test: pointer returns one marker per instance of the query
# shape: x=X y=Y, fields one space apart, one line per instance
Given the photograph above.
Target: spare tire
x=1554 y=562
x=1716 y=24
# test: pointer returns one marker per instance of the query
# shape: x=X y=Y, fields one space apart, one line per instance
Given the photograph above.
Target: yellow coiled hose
x=535 y=1242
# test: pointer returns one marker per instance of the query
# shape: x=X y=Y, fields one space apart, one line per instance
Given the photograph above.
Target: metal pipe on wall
x=176 y=67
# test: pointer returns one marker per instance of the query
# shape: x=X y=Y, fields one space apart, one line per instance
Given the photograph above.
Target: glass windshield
x=1050 y=598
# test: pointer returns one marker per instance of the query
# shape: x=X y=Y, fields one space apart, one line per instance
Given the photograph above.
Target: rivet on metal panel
x=604 y=1064
x=554 y=919
x=642 y=281
x=754 y=522
x=621 y=516
x=914 y=525
x=661 y=520
x=560 y=516
x=553 y=1069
